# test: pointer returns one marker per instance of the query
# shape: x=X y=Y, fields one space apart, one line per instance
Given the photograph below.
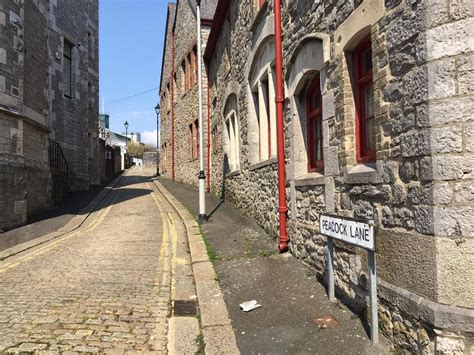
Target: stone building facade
x=179 y=92
x=400 y=67
x=378 y=126
x=48 y=96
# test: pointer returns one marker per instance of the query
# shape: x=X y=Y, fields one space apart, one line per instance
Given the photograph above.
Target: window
x=232 y=136
x=176 y=87
x=184 y=86
x=191 y=141
x=364 y=102
x=196 y=139
x=196 y=67
x=193 y=138
x=261 y=103
x=67 y=69
x=167 y=98
x=215 y=143
x=314 y=126
x=263 y=95
x=189 y=73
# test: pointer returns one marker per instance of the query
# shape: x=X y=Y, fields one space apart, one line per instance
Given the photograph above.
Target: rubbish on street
x=326 y=322
x=249 y=306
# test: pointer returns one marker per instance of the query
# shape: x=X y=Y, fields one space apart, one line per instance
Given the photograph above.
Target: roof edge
x=170 y=5
x=219 y=18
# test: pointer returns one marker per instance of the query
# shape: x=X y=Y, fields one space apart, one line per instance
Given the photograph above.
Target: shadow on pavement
x=58 y=216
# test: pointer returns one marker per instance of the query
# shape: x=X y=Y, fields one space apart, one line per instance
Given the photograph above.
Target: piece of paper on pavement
x=249 y=305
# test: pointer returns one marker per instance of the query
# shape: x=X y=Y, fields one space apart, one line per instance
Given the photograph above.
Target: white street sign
x=348 y=230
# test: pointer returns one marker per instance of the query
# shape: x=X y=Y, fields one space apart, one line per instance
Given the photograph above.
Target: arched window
x=306 y=78
x=231 y=134
x=364 y=102
x=314 y=121
x=262 y=109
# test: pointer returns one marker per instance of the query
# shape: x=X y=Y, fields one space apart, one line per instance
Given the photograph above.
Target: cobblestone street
x=102 y=288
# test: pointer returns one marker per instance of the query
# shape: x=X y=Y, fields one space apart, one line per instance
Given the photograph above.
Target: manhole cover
x=184 y=308
x=326 y=322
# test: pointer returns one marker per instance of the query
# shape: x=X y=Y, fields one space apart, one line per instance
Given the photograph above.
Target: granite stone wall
x=74 y=121
x=185 y=105
x=419 y=190
x=29 y=106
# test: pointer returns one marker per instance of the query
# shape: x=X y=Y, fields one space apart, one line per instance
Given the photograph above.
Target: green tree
x=135 y=150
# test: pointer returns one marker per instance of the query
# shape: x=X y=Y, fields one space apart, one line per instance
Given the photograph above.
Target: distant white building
x=134 y=137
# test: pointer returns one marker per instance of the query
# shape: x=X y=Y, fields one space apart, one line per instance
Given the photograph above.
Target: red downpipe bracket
x=279 y=100
x=208 y=137
x=172 y=105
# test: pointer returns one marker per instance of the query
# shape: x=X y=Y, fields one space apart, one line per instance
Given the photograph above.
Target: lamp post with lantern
x=158 y=160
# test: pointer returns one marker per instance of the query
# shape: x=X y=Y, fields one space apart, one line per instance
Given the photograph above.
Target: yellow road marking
x=9 y=267
x=99 y=219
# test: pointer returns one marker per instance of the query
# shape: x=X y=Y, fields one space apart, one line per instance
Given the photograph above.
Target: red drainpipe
x=208 y=138
x=279 y=99
x=172 y=106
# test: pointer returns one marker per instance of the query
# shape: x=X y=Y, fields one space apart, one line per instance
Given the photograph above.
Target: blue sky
x=131 y=46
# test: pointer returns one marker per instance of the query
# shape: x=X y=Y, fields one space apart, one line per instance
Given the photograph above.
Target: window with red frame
x=314 y=127
x=196 y=137
x=190 y=71
x=184 y=81
x=364 y=100
x=191 y=141
x=195 y=61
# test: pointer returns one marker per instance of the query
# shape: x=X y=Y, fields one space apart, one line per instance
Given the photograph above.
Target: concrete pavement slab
x=183 y=335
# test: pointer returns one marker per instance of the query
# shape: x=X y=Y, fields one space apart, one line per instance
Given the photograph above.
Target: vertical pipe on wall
x=208 y=136
x=279 y=100
x=172 y=105
x=202 y=197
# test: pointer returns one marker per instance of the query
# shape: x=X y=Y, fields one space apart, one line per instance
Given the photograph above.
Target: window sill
x=264 y=163
x=233 y=173
x=310 y=179
x=363 y=174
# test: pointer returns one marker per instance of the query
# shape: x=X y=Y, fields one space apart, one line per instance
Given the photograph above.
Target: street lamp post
x=126 y=144
x=158 y=158
x=126 y=132
x=202 y=176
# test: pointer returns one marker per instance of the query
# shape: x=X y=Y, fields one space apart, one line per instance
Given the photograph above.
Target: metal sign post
x=361 y=234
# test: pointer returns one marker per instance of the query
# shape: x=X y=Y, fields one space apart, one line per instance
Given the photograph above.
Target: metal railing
x=59 y=170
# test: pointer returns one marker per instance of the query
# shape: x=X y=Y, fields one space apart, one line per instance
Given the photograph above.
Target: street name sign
x=348 y=230
x=361 y=234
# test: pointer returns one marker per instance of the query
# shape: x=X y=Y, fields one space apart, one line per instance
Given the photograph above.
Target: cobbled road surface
x=102 y=288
